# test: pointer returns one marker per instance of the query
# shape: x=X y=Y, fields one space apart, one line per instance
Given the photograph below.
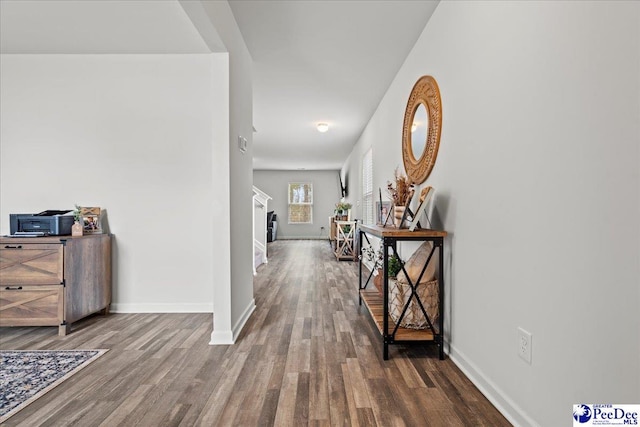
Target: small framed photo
x=91 y=219
x=382 y=211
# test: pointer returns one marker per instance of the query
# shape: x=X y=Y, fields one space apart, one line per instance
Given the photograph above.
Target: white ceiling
x=103 y=26
x=314 y=61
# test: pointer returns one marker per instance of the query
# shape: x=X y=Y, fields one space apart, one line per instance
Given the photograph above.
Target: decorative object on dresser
x=91 y=219
x=54 y=281
x=77 y=228
x=26 y=375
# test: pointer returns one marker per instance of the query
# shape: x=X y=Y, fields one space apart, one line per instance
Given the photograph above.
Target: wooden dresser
x=54 y=281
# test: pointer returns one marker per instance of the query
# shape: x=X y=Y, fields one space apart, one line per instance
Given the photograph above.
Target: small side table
x=345 y=240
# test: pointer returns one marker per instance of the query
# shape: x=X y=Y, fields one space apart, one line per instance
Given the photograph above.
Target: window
x=367 y=188
x=300 y=203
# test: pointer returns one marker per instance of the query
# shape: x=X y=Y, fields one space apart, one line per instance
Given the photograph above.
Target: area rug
x=28 y=374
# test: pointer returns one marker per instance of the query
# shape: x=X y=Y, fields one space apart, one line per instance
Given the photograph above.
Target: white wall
x=137 y=135
x=537 y=182
x=326 y=193
x=233 y=301
x=165 y=130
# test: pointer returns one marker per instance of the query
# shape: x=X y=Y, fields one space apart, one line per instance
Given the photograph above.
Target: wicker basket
x=399 y=294
x=377 y=281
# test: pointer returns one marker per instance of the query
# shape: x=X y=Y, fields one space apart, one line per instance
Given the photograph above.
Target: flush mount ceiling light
x=323 y=127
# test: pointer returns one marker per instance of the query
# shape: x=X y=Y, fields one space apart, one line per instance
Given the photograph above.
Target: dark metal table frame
x=390 y=238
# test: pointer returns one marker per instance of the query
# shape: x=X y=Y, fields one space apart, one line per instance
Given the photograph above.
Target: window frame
x=308 y=202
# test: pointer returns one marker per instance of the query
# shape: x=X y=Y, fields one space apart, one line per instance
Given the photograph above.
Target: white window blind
x=367 y=188
x=300 y=203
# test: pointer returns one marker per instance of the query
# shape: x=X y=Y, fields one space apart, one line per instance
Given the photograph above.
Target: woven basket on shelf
x=377 y=281
x=399 y=294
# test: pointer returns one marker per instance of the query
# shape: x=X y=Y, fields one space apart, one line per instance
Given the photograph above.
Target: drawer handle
x=9 y=288
x=13 y=247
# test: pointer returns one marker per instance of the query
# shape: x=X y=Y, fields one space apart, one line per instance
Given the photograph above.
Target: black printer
x=46 y=223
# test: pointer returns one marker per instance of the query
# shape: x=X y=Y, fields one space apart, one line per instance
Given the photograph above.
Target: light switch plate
x=242 y=144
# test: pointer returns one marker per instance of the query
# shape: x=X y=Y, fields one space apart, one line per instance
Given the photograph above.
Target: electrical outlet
x=524 y=345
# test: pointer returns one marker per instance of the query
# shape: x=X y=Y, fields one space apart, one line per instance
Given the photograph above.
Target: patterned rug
x=27 y=375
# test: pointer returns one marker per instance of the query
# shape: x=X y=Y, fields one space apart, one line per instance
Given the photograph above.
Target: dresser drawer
x=31 y=264
x=39 y=305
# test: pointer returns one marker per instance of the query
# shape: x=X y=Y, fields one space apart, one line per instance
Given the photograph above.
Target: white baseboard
x=237 y=328
x=512 y=412
x=221 y=338
x=303 y=238
x=161 y=308
x=229 y=337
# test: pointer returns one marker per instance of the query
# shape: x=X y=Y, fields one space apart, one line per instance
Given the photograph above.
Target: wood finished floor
x=307 y=356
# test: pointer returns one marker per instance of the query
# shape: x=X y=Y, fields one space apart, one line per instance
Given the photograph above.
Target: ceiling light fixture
x=323 y=127
x=414 y=126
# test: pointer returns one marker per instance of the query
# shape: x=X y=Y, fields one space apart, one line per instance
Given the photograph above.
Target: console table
x=378 y=305
x=54 y=281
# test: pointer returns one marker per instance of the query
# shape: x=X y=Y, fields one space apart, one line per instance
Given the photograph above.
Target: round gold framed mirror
x=421 y=129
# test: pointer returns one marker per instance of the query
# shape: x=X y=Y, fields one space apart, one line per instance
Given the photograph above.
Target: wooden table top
x=46 y=239
x=380 y=231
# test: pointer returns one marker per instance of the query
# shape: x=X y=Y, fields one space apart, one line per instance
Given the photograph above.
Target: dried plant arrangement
x=401 y=190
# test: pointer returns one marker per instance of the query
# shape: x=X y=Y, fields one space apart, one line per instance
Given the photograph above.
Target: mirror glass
x=419 y=131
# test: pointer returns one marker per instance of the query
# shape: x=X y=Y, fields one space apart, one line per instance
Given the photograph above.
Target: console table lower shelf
x=374 y=303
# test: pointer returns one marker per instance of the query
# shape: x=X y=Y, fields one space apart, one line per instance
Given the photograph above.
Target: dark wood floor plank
x=121 y=413
x=338 y=403
x=301 y=413
x=269 y=408
x=350 y=391
x=319 y=384
x=254 y=397
x=353 y=370
x=220 y=395
x=384 y=408
x=287 y=399
x=309 y=355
